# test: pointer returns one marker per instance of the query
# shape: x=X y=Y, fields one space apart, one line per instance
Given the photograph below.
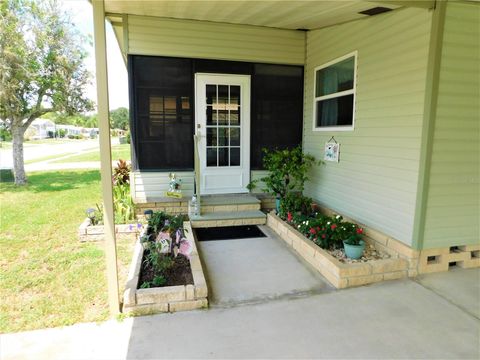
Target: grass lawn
x=118 y=152
x=48 y=278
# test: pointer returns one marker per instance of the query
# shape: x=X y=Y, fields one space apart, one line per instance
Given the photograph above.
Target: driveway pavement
x=395 y=319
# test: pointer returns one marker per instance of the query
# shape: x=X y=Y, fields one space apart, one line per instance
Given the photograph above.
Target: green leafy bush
x=287 y=171
x=295 y=203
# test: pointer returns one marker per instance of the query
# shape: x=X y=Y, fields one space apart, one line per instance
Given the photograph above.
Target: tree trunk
x=18 y=164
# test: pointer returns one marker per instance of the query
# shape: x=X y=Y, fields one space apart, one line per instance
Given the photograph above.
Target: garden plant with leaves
x=287 y=171
x=164 y=241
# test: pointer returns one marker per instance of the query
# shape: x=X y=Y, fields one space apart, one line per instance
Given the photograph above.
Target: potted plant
x=287 y=172
x=354 y=245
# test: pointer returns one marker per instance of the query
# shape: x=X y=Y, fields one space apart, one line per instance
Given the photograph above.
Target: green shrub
x=295 y=203
x=287 y=171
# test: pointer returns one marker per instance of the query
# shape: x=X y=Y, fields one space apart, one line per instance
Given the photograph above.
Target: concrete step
x=229 y=218
x=228 y=203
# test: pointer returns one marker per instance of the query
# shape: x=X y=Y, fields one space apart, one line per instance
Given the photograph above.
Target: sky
x=82 y=16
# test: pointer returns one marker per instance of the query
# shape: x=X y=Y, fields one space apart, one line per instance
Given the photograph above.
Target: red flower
x=359 y=231
x=289 y=217
x=312 y=231
x=333 y=227
x=318 y=228
x=323 y=236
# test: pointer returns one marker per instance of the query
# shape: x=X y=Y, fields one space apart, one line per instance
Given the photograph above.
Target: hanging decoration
x=332 y=150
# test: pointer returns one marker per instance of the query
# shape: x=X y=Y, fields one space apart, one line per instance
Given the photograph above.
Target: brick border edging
x=170 y=298
x=89 y=232
x=339 y=274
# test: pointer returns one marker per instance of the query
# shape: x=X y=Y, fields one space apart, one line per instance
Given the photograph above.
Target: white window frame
x=353 y=54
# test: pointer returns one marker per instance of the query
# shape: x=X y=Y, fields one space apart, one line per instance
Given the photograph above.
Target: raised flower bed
x=181 y=287
x=89 y=232
x=346 y=274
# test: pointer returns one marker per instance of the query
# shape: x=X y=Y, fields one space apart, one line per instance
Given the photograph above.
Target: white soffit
x=285 y=14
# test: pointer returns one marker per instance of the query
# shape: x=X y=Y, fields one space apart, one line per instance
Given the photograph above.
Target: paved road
x=62 y=149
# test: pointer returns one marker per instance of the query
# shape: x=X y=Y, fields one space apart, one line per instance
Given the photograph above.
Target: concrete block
x=376 y=235
x=402 y=248
x=475 y=247
x=225 y=222
x=201 y=224
x=347 y=270
x=195 y=263
x=434 y=252
x=459 y=256
x=82 y=229
x=190 y=292
x=95 y=230
x=364 y=280
x=161 y=295
x=469 y=264
x=412 y=273
x=201 y=291
x=188 y=305
x=388 y=265
x=395 y=275
x=308 y=248
x=129 y=297
x=385 y=249
x=339 y=283
x=248 y=207
x=227 y=208
x=146 y=309
x=254 y=221
x=424 y=267
x=198 y=278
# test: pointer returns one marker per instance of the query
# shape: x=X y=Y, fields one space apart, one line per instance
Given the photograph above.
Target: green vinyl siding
x=375 y=181
x=208 y=40
x=452 y=207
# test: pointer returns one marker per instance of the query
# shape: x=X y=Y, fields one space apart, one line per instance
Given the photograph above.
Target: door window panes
x=223 y=125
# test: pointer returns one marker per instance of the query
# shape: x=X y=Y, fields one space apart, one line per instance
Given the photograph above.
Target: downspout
x=429 y=116
x=105 y=153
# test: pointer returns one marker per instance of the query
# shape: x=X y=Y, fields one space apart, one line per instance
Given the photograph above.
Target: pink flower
x=313 y=231
x=323 y=236
x=333 y=227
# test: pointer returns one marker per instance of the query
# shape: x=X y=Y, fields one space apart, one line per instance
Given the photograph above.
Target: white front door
x=222 y=122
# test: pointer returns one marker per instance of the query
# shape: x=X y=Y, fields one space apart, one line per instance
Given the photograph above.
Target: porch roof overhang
x=283 y=14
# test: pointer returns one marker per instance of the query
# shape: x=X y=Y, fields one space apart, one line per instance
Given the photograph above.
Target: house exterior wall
x=197 y=39
x=147 y=185
x=375 y=181
x=452 y=213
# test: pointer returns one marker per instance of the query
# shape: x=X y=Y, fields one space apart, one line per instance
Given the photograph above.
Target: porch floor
x=393 y=319
x=256 y=270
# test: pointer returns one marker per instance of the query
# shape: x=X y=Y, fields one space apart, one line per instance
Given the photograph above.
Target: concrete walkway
x=257 y=270
x=396 y=319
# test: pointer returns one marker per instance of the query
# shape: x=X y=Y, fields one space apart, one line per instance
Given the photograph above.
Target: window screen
x=162 y=123
x=277 y=96
x=163 y=108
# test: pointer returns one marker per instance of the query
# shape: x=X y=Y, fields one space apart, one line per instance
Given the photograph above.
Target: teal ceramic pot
x=277 y=204
x=354 y=251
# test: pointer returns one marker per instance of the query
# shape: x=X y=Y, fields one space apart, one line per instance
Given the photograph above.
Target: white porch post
x=105 y=153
